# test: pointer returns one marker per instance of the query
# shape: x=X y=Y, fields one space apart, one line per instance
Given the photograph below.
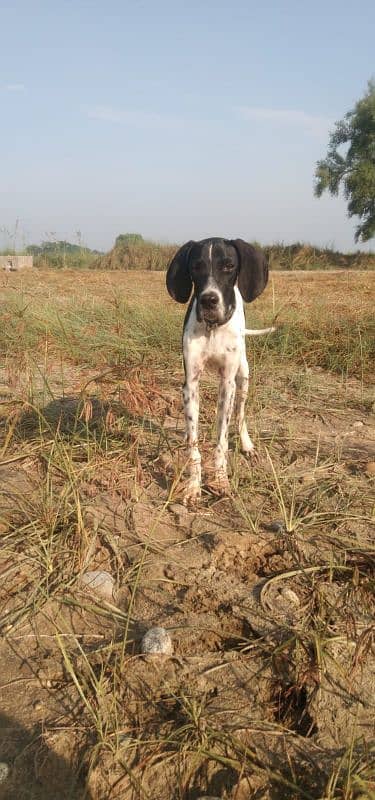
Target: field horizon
x=131 y=251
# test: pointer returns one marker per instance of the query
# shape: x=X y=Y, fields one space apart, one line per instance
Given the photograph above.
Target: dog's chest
x=220 y=347
x=216 y=348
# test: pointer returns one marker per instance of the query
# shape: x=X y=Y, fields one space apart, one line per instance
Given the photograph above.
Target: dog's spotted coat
x=223 y=273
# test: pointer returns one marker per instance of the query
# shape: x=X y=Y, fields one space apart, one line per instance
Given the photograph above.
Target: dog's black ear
x=179 y=283
x=253 y=270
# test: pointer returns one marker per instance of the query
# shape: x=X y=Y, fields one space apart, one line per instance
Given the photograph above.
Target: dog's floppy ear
x=179 y=283
x=253 y=270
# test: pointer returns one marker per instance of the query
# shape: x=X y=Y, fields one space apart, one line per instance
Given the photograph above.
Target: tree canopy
x=128 y=239
x=350 y=163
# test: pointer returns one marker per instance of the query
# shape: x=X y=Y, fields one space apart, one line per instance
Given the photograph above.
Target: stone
x=100 y=583
x=4 y=771
x=180 y=513
x=370 y=468
x=276 y=526
x=290 y=597
x=157 y=641
x=177 y=508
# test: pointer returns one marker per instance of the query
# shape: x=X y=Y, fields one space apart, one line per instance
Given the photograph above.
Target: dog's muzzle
x=210 y=307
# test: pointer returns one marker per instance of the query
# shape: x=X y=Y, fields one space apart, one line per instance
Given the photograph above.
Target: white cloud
x=139 y=119
x=14 y=87
x=313 y=124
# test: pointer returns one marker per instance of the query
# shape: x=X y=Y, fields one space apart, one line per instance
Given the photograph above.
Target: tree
x=350 y=163
x=128 y=240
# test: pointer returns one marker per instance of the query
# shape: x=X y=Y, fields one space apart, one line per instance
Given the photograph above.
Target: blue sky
x=177 y=120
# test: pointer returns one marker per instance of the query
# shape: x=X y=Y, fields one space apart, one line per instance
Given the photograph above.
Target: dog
x=222 y=273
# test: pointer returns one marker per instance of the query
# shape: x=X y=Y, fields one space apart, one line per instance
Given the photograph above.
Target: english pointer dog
x=221 y=273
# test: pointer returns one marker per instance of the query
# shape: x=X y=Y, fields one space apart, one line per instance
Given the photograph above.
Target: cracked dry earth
x=267 y=595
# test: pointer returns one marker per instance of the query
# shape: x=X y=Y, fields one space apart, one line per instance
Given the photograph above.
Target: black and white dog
x=222 y=273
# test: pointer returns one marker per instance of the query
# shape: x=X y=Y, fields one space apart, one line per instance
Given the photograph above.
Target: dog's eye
x=227 y=266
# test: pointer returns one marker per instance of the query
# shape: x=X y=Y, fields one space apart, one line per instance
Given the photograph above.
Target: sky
x=177 y=120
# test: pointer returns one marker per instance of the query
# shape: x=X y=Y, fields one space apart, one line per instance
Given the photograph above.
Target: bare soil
x=267 y=593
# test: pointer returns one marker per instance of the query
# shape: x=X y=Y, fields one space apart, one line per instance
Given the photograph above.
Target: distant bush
x=305 y=256
x=131 y=251
x=61 y=255
x=125 y=239
x=9 y=251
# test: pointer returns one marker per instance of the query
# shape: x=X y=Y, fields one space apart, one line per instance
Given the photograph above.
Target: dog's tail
x=257 y=332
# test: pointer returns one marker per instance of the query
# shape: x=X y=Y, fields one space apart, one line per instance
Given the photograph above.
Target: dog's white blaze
x=212 y=287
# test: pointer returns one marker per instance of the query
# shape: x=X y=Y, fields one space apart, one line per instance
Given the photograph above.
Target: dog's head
x=212 y=267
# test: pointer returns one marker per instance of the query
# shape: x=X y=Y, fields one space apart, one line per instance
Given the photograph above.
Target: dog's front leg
x=227 y=390
x=191 y=410
x=242 y=384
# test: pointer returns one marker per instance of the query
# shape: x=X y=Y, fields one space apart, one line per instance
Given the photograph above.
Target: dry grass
x=156 y=256
x=268 y=594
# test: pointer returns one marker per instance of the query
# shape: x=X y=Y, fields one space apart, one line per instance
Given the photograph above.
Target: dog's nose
x=209 y=300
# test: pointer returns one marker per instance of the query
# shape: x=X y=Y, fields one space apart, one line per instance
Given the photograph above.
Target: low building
x=15 y=263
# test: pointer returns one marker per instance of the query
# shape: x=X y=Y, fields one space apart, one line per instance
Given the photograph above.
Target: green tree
x=350 y=163
x=128 y=240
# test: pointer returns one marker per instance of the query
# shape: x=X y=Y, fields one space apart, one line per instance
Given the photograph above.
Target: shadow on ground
x=36 y=772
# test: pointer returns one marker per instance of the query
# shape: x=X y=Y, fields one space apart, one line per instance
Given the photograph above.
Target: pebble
x=125 y=740
x=170 y=572
x=157 y=641
x=370 y=468
x=358 y=424
x=290 y=596
x=178 y=508
x=99 y=582
x=276 y=526
x=4 y=771
x=180 y=513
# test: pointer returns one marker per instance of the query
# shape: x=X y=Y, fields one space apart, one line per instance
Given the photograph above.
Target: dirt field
x=268 y=594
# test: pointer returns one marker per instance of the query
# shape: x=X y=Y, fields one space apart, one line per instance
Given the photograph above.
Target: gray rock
x=157 y=641
x=100 y=583
x=276 y=526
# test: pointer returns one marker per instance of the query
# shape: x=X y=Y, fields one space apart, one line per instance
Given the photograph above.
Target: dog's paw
x=192 y=494
x=251 y=455
x=220 y=485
